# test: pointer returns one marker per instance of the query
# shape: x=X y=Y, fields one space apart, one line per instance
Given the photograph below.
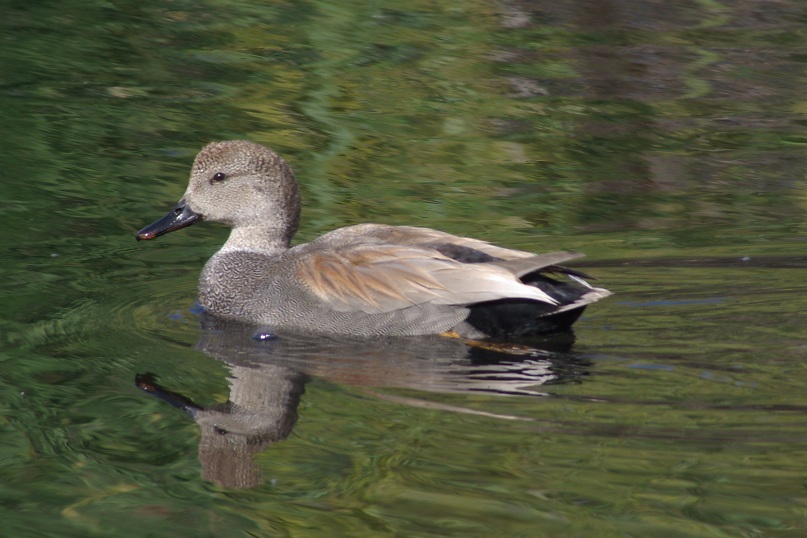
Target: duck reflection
x=268 y=378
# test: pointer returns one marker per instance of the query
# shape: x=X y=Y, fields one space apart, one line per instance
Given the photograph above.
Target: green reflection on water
x=632 y=133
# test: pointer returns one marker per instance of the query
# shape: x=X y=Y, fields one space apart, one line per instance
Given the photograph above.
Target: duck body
x=363 y=280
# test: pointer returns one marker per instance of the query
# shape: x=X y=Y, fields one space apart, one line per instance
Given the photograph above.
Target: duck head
x=241 y=184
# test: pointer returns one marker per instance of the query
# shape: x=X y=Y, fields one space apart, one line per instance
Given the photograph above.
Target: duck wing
x=377 y=278
x=426 y=237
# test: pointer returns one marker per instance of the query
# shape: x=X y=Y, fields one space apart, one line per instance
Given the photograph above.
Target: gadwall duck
x=362 y=280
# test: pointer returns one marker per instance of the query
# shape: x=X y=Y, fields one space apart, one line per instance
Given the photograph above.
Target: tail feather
x=524 y=266
x=595 y=294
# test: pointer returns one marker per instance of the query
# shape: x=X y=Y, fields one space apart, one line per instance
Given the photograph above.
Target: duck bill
x=177 y=218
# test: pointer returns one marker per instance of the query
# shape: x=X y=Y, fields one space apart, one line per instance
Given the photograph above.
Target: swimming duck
x=362 y=280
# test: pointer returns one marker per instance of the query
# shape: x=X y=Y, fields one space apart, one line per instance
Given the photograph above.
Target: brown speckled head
x=245 y=185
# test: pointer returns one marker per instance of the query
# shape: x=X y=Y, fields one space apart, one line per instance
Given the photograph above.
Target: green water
x=668 y=141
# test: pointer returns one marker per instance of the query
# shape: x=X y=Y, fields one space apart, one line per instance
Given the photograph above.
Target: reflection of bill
x=261 y=410
x=267 y=379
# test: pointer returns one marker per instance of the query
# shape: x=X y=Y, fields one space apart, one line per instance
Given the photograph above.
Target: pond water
x=667 y=141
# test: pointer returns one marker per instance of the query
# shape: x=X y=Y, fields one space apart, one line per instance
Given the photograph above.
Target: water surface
x=665 y=141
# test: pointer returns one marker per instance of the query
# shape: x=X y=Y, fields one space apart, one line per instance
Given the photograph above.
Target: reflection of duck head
x=268 y=377
x=262 y=410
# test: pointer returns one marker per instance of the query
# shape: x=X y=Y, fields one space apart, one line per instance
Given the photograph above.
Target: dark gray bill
x=177 y=218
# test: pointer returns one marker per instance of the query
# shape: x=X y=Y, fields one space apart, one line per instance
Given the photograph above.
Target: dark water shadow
x=267 y=381
x=722 y=262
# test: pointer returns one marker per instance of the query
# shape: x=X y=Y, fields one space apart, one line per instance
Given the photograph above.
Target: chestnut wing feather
x=377 y=278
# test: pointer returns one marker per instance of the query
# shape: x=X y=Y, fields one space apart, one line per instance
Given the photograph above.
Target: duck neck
x=269 y=241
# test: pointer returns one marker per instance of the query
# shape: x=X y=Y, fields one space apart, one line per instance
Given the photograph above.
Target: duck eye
x=219 y=176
